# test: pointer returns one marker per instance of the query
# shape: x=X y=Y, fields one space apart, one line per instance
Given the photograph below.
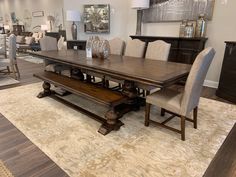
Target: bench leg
x=46 y=90
x=112 y=122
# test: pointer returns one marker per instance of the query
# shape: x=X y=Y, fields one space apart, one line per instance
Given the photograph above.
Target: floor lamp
x=73 y=16
x=139 y=5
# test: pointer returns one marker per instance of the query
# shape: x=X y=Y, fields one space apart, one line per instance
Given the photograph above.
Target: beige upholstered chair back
x=12 y=47
x=197 y=75
x=48 y=43
x=3 y=45
x=117 y=46
x=158 y=50
x=134 y=48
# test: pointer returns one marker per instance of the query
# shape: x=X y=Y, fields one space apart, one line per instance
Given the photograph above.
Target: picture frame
x=177 y=10
x=38 y=14
x=97 y=18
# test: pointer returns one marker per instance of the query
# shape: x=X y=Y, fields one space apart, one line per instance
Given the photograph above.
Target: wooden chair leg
x=195 y=111
x=163 y=111
x=147 y=92
x=13 y=71
x=8 y=70
x=183 y=128
x=17 y=70
x=147 y=114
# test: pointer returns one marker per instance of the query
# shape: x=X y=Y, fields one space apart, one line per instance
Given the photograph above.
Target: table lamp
x=51 y=19
x=6 y=28
x=44 y=28
x=139 y=5
x=73 y=16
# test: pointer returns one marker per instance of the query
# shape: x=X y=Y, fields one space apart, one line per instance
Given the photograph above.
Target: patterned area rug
x=71 y=140
x=4 y=172
x=31 y=59
x=6 y=80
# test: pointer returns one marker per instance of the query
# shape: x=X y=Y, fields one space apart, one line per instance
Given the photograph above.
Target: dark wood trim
x=224 y=162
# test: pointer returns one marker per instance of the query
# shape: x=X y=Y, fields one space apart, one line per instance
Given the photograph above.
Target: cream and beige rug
x=4 y=172
x=71 y=140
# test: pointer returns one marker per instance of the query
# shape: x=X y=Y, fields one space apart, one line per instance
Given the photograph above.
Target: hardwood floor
x=22 y=157
x=26 y=71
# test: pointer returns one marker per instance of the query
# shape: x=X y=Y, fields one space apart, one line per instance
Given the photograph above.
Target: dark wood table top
x=151 y=72
x=224 y=162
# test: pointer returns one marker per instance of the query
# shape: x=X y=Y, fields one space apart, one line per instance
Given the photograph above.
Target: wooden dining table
x=131 y=71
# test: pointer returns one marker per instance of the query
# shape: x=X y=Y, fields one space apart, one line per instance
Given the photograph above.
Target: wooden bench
x=89 y=91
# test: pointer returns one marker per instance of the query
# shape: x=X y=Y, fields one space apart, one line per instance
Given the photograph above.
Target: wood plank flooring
x=26 y=71
x=22 y=157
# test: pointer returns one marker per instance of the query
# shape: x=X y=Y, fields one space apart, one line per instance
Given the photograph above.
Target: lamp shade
x=6 y=27
x=140 y=4
x=73 y=16
x=50 y=18
x=44 y=27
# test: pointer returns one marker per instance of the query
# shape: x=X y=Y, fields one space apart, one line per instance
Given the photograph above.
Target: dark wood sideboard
x=183 y=50
x=227 y=84
x=18 y=29
x=57 y=34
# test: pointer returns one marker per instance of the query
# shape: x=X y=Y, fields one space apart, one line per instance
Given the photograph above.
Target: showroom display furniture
x=182 y=103
x=134 y=48
x=167 y=74
x=11 y=62
x=157 y=50
x=183 y=50
x=227 y=84
x=3 y=45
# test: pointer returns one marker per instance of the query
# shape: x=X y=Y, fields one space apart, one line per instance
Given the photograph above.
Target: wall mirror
x=97 y=18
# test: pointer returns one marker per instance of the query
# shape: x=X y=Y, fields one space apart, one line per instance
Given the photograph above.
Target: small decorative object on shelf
x=96 y=48
x=189 y=30
x=182 y=28
x=104 y=49
x=201 y=26
x=89 y=45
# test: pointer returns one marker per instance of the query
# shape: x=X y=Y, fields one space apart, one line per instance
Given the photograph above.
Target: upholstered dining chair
x=182 y=103
x=11 y=62
x=158 y=50
x=134 y=48
x=3 y=45
x=48 y=43
x=117 y=46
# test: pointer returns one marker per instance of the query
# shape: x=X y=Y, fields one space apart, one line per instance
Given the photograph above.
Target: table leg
x=77 y=74
x=112 y=122
x=131 y=92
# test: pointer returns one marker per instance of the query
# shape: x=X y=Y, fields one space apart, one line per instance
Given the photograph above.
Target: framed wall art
x=177 y=10
x=38 y=14
x=97 y=18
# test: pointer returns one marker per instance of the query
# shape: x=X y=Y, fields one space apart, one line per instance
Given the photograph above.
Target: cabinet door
x=228 y=71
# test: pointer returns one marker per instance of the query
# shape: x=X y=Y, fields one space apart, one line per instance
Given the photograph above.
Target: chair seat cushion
x=166 y=98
